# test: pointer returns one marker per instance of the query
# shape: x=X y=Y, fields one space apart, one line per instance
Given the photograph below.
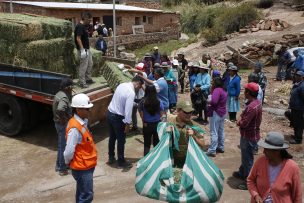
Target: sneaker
x=242 y=186
x=83 y=85
x=111 y=161
x=210 y=154
x=295 y=142
x=125 y=164
x=90 y=81
x=237 y=175
x=220 y=150
x=63 y=173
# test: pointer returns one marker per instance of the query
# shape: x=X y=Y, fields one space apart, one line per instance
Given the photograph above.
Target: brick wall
x=160 y=21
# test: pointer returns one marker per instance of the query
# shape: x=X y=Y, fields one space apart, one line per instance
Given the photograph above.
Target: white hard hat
x=175 y=62
x=81 y=101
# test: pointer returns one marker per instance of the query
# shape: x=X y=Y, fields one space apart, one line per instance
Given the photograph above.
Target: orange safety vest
x=85 y=155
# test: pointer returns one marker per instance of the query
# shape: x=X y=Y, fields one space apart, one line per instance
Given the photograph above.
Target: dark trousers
x=150 y=133
x=182 y=84
x=117 y=127
x=247 y=156
x=60 y=128
x=232 y=116
x=297 y=120
x=84 y=185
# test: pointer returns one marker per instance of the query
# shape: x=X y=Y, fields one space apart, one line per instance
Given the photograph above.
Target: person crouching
x=80 y=152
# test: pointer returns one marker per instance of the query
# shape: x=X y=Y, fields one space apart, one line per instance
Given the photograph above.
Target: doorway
x=108 y=21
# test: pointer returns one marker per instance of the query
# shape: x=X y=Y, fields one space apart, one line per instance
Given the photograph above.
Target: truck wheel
x=13 y=115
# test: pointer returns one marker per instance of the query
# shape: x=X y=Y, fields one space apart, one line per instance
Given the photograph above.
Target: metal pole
x=11 y=6
x=114 y=28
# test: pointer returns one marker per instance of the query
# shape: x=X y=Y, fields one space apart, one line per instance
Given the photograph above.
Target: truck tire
x=13 y=115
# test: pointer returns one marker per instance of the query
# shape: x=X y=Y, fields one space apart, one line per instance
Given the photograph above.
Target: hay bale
x=22 y=28
x=113 y=75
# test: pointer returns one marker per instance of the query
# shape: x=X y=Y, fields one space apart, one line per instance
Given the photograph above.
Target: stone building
x=128 y=18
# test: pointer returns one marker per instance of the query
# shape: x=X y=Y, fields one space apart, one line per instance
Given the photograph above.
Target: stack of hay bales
x=37 y=42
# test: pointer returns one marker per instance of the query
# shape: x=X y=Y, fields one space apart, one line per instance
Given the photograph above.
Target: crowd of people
x=214 y=97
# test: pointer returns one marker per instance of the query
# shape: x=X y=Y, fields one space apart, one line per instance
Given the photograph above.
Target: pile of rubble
x=267 y=24
x=263 y=51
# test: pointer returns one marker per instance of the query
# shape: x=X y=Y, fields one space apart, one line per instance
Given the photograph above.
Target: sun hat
x=147 y=55
x=175 y=62
x=233 y=67
x=155 y=48
x=273 y=140
x=185 y=106
x=252 y=86
x=156 y=65
x=164 y=65
x=300 y=73
x=230 y=64
x=258 y=65
x=181 y=53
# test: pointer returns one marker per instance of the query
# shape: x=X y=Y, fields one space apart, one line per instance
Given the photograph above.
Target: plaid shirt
x=251 y=119
x=262 y=80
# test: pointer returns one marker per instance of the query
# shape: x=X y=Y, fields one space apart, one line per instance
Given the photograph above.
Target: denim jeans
x=247 y=151
x=281 y=72
x=217 y=132
x=60 y=165
x=84 y=185
x=117 y=127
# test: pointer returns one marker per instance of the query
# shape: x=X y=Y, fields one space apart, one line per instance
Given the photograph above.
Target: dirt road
x=28 y=163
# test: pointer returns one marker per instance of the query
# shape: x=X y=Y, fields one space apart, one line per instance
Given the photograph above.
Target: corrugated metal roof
x=86 y=6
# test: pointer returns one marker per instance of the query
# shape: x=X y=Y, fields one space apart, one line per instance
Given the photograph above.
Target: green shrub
x=232 y=19
x=213 y=35
x=264 y=3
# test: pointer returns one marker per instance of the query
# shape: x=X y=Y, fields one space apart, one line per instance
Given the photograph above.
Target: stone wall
x=135 y=41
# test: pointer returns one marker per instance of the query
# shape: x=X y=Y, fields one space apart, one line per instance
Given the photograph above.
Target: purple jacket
x=218 y=102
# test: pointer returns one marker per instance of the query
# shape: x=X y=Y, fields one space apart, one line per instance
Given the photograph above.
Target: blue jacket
x=299 y=62
x=163 y=92
x=204 y=80
x=192 y=79
x=296 y=101
x=101 y=45
x=234 y=86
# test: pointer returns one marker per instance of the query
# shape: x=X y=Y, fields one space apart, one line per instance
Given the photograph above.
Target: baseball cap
x=66 y=82
x=175 y=62
x=155 y=48
x=252 y=87
x=164 y=65
x=185 y=106
x=300 y=73
x=140 y=66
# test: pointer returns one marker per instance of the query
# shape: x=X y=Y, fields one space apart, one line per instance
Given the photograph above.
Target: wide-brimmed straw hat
x=273 y=140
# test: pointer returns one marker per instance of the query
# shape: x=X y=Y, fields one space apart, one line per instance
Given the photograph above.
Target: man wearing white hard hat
x=80 y=152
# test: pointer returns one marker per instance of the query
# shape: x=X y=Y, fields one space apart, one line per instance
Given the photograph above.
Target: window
x=137 y=20
x=150 y=20
x=144 y=19
x=119 y=21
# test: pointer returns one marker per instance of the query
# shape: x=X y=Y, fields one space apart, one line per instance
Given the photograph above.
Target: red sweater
x=285 y=189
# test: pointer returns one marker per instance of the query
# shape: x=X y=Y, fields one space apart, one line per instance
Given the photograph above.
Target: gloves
x=125 y=71
x=83 y=53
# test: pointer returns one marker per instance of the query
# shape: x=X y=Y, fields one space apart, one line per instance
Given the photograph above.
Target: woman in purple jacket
x=217 y=111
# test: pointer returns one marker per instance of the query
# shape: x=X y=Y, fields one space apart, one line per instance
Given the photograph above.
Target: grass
x=165 y=47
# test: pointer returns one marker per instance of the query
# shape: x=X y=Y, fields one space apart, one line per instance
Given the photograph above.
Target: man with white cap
x=296 y=104
x=80 y=152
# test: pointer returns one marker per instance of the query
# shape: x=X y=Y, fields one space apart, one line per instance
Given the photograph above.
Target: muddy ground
x=28 y=160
